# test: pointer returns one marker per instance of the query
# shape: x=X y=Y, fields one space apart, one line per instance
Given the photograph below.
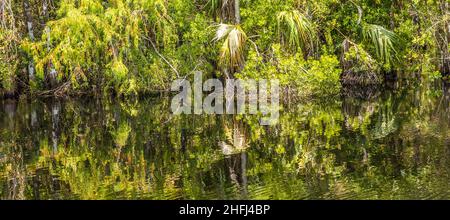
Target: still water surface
x=391 y=143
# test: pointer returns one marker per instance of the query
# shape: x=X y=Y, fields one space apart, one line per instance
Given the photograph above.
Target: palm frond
x=214 y=6
x=384 y=41
x=297 y=31
x=232 y=49
x=221 y=8
x=359 y=68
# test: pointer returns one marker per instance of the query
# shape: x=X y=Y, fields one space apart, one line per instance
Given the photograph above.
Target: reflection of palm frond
x=384 y=41
x=297 y=30
x=384 y=129
x=232 y=49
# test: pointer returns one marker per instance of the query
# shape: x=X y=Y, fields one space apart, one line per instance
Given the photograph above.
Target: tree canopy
x=129 y=47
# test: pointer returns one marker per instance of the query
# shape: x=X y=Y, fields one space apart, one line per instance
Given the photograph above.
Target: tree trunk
x=237 y=12
x=446 y=53
x=44 y=11
x=50 y=70
x=29 y=23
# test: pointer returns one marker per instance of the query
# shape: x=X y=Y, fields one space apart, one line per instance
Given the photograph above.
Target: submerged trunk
x=29 y=24
x=244 y=189
x=56 y=108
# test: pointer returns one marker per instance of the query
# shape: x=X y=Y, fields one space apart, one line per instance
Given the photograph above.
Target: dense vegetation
x=392 y=146
x=129 y=47
x=388 y=140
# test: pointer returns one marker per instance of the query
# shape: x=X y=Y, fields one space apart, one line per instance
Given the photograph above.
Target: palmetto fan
x=297 y=31
x=384 y=41
x=232 y=49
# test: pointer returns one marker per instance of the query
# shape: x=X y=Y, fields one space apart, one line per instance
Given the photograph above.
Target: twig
x=162 y=57
x=256 y=47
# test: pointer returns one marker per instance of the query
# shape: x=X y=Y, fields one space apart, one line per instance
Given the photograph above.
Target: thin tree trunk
x=28 y=18
x=391 y=15
x=445 y=50
x=45 y=11
x=237 y=12
x=51 y=72
x=29 y=23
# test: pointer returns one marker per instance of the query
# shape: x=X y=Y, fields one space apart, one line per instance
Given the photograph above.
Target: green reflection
x=391 y=144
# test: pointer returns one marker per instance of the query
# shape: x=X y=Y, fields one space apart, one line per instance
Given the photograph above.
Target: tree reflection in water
x=389 y=143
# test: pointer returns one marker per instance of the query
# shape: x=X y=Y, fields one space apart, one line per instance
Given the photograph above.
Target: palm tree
x=358 y=65
x=297 y=31
x=227 y=10
x=232 y=50
x=384 y=42
x=233 y=38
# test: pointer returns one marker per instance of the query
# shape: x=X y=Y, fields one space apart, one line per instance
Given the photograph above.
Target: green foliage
x=129 y=47
x=97 y=42
x=321 y=76
x=297 y=31
x=9 y=59
x=339 y=147
x=359 y=66
x=385 y=42
x=121 y=135
x=307 y=77
x=9 y=53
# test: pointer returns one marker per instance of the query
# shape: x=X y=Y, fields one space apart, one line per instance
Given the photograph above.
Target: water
x=392 y=143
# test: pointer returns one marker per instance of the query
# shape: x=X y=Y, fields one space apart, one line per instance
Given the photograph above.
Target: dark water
x=383 y=144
